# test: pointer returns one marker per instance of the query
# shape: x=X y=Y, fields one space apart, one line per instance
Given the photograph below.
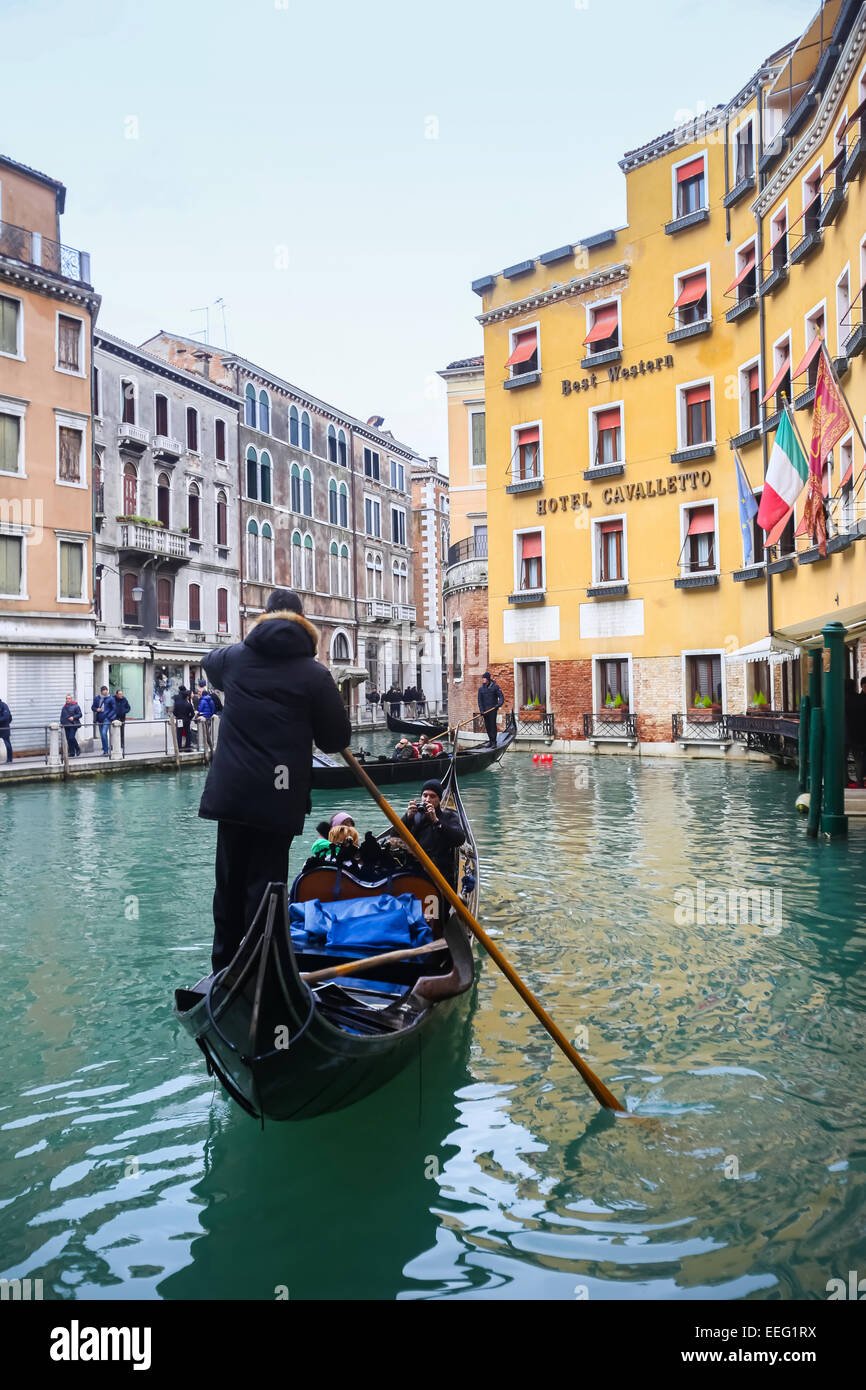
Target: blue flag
x=748 y=508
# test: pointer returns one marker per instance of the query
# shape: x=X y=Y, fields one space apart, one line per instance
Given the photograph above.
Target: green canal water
x=485 y=1170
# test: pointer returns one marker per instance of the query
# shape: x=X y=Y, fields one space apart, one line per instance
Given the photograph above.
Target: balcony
x=601 y=359
x=777 y=276
x=378 y=611
x=857 y=154
x=833 y=204
x=741 y=308
x=697 y=581
x=701 y=726
x=690 y=330
x=689 y=219
x=33 y=249
x=153 y=540
x=611 y=726
x=527 y=596
x=165 y=449
x=132 y=437
x=739 y=190
x=403 y=612
x=530 y=482
x=466 y=567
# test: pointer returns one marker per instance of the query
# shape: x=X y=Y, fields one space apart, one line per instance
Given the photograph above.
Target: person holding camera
x=437 y=831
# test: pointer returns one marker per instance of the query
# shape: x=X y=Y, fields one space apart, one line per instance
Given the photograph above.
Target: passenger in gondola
x=437 y=831
x=404 y=751
x=429 y=747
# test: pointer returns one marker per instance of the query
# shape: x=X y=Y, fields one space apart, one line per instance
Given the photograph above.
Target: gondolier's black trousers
x=247 y=860
x=490 y=725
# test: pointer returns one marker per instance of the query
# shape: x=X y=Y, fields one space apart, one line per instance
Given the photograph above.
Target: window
x=334 y=568
x=371 y=464
x=160 y=412
x=690 y=187
x=341 y=449
x=340 y=650
x=97 y=596
x=698 y=415
x=265 y=488
x=744 y=153
x=703 y=678
x=457 y=650
x=398 y=475
x=163 y=602
x=195 y=608
x=787 y=542
x=812 y=201
x=750 y=397
x=222 y=610
x=345 y=583
x=779 y=240
x=700 y=543
x=11 y=565
x=163 y=500
x=526 y=459
x=222 y=519
x=478 y=438
x=533 y=682
x=606 y=427
x=264 y=412
x=267 y=554
x=530 y=562
x=523 y=355
x=815 y=333
x=219 y=439
x=252 y=473
x=613 y=681
x=602 y=328
x=344 y=505
x=333 y=512
x=70 y=442
x=130 y=603
x=97 y=393
x=843 y=308
x=374 y=567
x=780 y=386
x=309 y=563
x=746 y=280
x=250 y=405
x=846 y=516
x=294 y=428
x=398 y=526
x=297 y=561
x=400 y=581
x=443 y=542
x=130 y=490
x=11 y=437
x=10 y=326
x=127 y=395
x=69 y=333
x=193 y=511
x=306 y=433
x=307 y=481
x=332 y=444
x=758 y=536
x=610 y=551
x=192 y=429
x=372 y=517
x=295 y=480
x=252 y=550
x=692 y=301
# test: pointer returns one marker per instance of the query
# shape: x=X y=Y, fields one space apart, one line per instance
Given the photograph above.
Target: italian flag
x=787 y=475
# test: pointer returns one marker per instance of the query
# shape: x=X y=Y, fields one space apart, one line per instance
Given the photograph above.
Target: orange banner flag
x=829 y=423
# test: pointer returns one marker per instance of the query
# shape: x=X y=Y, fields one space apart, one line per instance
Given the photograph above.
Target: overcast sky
x=338 y=173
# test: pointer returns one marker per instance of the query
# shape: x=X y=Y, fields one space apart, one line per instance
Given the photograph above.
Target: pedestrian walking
x=70 y=722
x=278 y=700
x=103 y=712
x=490 y=699
x=5 y=728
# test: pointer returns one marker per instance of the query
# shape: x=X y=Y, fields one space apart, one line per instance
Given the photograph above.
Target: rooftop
x=58 y=187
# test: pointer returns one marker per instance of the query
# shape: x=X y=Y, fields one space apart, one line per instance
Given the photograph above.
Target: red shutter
x=220 y=440
x=607 y=420
x=608 y=528
x=702 y=519
x=690 y=170
x=811 y=352
x=528 y=436
x=532 y=546
x=194 y=603
x=777 y=380
x=163 y=602
x=696 y=394
x=694 y=287
x=525 y=344
x=748 y=265
x=604 y=322
x=223 y=610
x=753 y=379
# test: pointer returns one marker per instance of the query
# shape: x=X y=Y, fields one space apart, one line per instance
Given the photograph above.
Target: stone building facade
x=430 y=539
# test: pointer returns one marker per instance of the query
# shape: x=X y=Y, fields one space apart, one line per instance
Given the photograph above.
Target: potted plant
x=705 y=710
x=533 y=711
x=759 y=704
x=615 y=709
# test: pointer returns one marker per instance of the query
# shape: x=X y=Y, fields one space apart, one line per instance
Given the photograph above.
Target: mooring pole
x=803 y=748
x=816 y=762
x=834 y=822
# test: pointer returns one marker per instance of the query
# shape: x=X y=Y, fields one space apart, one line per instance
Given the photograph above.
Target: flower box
x=533 y=715
x=613 y=714
x=704 y=714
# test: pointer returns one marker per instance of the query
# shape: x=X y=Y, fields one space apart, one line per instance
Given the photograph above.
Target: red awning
x=603 y=324
x=701 y=520
x=607 y=420
x=777 y=381
x=811 y=353
x=694 y=287
x=609 y=528
x=696 y=394
x=749 y=264
x=532 y=546
x=754 y=379
x=525 y=344
x=527 y=436
x=690 y=170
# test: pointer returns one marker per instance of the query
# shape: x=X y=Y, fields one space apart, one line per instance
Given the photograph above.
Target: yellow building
x=623 y=371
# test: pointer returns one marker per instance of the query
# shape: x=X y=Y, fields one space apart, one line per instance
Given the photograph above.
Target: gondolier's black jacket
x=490 y=697
x=278 y=701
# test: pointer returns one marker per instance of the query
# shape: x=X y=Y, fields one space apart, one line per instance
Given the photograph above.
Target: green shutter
x=479 y=439
x=9 y=309
x=10 y=564
x=10 y=433
x=71 y=559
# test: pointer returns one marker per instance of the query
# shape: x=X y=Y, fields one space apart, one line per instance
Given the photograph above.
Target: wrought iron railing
x=31 y=248
x=610 y=724
x=774 y=733
x=472 y=548
x=697 y=727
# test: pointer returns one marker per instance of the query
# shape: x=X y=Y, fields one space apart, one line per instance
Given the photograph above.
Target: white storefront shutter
x=36 y=687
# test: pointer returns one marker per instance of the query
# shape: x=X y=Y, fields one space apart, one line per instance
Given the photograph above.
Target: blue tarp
x=382 y=923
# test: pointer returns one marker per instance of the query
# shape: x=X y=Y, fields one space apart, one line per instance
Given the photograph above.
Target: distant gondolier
x=490 y=699
x=278 y=701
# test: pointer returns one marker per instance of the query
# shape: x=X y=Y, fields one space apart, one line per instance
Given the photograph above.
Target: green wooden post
x=803 y=761
x=815 y=677
x=816 y=750
x=834 y=822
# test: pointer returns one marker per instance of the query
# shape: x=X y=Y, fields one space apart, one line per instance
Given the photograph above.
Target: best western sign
x=644 y=367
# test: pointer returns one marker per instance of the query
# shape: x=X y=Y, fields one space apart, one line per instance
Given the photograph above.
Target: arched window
x=193 y=511
x=400 y=581
x=296 y=488
x=252 y=549
x=297 y=561
x=305 y=432
x=308 y=492
x=444 y=542
x=195 y=608
x=294 y=431
x=222 y=518
x=345 y=582
x=334 y=569
x=341 y=449
x=265 y=489
x=252 y=473
x=267 y=554
x=333 y=513
x=250 y=405
x=163 y=603
x=130 y=606
x=340 y=649
x=163 y=500
x=309 y=563
x=344 y=505
x=130 y=490
x=374 y=575
x=192 y=429
x=264 y=413
x=222 y=610
x=332 y=444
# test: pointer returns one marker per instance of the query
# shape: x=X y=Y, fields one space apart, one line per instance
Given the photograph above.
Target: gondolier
x=278 y=701
x=490 y=698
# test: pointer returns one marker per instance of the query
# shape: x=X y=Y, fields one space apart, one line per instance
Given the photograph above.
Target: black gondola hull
x=331 y=775
x=416 y=726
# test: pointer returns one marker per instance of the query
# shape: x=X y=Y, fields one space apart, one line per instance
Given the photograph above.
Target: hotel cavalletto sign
x=628 y=492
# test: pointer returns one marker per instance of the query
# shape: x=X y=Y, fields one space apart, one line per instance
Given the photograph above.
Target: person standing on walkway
x=278 y=700
x=490 y=699
x=183 y=716
x=103 y=709
x=70 y=722
x=204 y=714
x=5 y=728
x=121 y=710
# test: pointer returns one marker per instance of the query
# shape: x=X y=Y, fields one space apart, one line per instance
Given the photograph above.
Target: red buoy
x=535 y=757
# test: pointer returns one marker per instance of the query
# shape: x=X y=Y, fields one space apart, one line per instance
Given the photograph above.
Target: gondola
x=329 y=774
x=416 y=726
x=287 y=1050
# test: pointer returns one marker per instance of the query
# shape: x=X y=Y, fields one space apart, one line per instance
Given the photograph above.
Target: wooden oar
x=598 y=1088
x=353 y=967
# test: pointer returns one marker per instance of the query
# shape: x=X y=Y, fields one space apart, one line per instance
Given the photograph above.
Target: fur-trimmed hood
x=267 y=634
